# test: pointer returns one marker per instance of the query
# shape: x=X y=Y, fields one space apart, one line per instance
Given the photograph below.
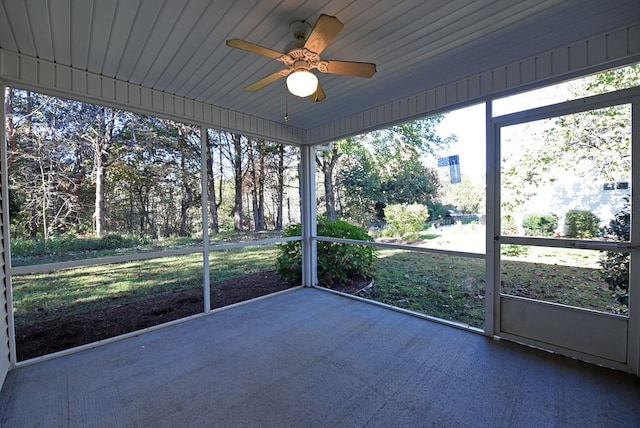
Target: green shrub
x=512 y=250
x=581 y=224
x=615 y=264
x=536 y=224
x=406 y=219
x=438 y=211
x=69 y=243
x=337 y=263
x=509 y=225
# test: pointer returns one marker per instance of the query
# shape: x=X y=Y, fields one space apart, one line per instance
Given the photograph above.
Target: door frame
x=605 y=339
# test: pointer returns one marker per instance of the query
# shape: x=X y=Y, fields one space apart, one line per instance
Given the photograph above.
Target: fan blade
x=267 y=80
x=318 y=96
x=252 y=47
x=348 y=68
x=323 y=32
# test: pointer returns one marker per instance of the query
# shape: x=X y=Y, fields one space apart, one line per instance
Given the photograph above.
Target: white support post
x=492 y=260
x=204 y=202
x=309 y=231
x=633 y=332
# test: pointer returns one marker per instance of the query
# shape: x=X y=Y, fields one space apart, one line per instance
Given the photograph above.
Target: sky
x=468 y=124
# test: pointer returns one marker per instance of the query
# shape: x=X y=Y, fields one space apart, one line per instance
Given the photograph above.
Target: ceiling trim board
x=55 y=79
x=590 y=55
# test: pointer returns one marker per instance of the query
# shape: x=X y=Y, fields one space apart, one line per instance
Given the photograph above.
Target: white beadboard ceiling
x=178 y=46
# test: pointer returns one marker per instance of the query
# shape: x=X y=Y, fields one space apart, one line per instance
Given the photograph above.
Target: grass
x=448 y=287
x=558 y=275
x=66 y=248
x=452 y=287
x=71 y=291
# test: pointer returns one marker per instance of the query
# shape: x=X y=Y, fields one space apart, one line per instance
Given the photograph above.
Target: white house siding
x=578 y=193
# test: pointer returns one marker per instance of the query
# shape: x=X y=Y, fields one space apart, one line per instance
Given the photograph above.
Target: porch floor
x=311 y=358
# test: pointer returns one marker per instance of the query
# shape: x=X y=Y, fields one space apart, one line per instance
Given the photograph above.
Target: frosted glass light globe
x=302 y=83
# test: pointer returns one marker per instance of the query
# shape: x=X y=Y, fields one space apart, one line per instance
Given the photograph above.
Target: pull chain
x=286 y=105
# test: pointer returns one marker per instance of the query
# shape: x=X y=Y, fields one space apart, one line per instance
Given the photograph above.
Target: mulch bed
x=67 y=332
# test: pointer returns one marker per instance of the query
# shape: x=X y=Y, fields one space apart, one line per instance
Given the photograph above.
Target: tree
x=96 y=125
x=615 y=264
x=257 y=168
x=77 y=167
x=213 y=146
x=10 y=126
x=234 y=148
x=382 y=167
x=327 y=161
x=279 y=186
x=467 y=197
x=595 y=144
x=413 y=184
x=181 y=147
x=360 y=184
x=185 y=135
x=43 y=164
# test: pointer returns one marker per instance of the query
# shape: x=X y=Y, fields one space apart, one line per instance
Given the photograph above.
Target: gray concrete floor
x=309 y=358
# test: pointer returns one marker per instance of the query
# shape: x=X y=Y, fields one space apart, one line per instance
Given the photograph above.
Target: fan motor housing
x=300 y=30
x=300 y=65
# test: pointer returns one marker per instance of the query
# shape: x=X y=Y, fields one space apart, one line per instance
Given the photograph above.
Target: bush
x=69 y=243
x=406 y=218
x=337 y=263
x=512 y=250
x=509 y=225
x=614 y=264
x=535 y=224
x=581 y=224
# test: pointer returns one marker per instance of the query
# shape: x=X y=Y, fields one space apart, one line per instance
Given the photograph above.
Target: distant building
x=604 y=199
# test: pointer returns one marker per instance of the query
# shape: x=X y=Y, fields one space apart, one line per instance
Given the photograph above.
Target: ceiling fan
x=302 y=55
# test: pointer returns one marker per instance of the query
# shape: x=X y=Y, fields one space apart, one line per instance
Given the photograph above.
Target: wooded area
x=87 y=170
x=77 y=168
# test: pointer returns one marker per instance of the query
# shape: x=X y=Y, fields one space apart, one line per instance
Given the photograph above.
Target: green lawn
x=452 y=287
x=444 y=286
x=71 y=291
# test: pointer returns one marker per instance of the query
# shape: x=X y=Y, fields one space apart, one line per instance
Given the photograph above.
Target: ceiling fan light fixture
x=302 y=83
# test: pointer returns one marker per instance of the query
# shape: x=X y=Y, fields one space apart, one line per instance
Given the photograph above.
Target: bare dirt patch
x=66 y=332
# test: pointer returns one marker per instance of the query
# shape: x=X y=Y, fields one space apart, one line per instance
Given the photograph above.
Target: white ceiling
x=178 y=46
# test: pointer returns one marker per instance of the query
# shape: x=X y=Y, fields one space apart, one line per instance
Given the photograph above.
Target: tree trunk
x=33 y=222
x=251 y=155
x=238 y=178
x=214 y=222
x=143 y=211
x=130 y=219
x=261 y=223
x=329 y=197
x=99 y=199
x=328 y=163
x=187 y=199
x=257 y=165
x=10 y=129
x=102 y=143
x=280 y=188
